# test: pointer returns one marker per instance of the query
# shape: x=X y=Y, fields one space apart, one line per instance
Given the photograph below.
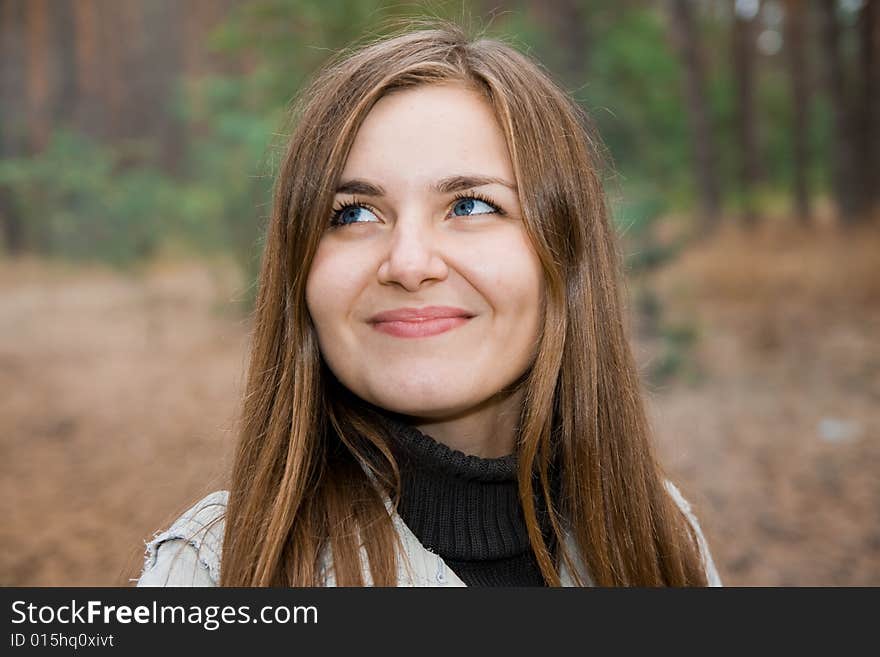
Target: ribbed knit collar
x=463 y=507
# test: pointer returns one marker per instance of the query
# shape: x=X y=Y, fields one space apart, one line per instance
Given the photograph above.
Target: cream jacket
x=189 y=552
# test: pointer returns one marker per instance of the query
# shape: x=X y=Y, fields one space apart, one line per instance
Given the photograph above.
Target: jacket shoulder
x=188 y=553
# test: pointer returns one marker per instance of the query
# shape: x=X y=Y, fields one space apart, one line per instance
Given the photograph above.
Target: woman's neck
x=487 y=431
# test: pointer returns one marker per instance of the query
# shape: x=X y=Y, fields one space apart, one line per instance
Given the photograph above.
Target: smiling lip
x=419 y=322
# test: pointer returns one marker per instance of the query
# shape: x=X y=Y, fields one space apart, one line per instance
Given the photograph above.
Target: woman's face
x=425 y=292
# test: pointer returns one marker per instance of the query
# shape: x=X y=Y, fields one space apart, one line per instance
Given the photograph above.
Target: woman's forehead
x=421 y=135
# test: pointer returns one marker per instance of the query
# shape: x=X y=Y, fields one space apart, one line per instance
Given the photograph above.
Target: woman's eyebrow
x=444 y=185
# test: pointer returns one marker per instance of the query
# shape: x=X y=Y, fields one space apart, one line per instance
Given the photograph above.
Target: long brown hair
x=313 y=468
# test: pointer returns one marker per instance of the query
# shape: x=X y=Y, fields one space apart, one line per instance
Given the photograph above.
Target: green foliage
x=632 y=92
x=672 y=340
x=79 y=200
x=290 y=39
x=226 y=187
x=634 y=212
x=631 y=88
x=675 y=359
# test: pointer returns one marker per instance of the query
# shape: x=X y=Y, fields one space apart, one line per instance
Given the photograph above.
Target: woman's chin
x=429 y=405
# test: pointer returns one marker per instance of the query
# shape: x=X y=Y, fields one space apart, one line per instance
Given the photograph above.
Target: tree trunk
x=121 y=38
x=569 y=26
x=14 y=126
x=744 y=28
x=842 y=144
x=162 y=65
x=38 y=82
x=684 y=37
x=64 y=87
x=90 y=109
x=867 y=141
x=795 y=11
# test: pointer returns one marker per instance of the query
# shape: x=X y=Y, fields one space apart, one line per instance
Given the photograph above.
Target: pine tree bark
x=38 y=72
x=844 y=181
x=162 y=64
x=868 y=123
x=91 y=107
x=744 y=72
x=684 y=37
x=569 y=23
x=795 y=38
x=63 y=61
x=13 y=113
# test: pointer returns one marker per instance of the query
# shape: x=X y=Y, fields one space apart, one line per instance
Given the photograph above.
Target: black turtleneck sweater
x=465 y=509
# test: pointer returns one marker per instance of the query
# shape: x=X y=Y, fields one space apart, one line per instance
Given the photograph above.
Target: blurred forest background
x=137 y=153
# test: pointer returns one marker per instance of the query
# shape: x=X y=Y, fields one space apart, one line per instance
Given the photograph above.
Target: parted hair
x=314 y=469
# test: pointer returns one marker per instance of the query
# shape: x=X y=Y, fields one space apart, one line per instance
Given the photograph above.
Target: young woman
x=441 y=390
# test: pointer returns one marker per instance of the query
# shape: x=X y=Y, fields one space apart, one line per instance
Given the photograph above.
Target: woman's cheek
x=509 y=271
x=335 y=274
x=325 y=288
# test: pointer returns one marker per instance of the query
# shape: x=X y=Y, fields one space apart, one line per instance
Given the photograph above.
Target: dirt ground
x=120 y=397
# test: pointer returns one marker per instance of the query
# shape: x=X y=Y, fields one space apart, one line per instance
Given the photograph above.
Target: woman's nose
x=412 y=256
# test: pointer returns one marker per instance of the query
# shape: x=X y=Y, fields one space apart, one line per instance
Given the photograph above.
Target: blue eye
x=470 y=205
x=352 y=214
